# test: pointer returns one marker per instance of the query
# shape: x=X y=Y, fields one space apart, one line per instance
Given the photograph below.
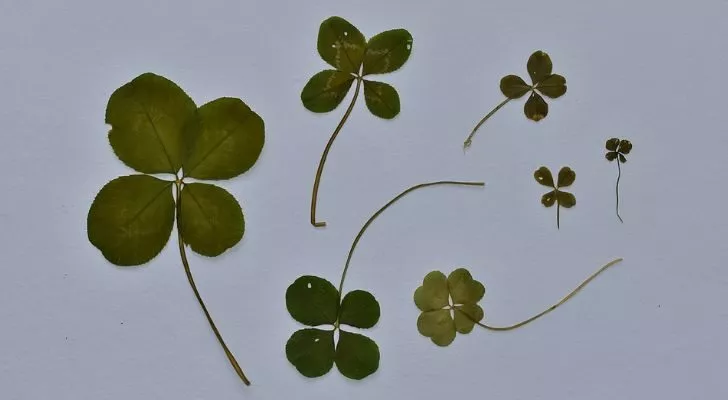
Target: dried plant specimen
x=344 y=47
x=562 y=198
x=617 y=150
x=157 y=129
x=543 y=82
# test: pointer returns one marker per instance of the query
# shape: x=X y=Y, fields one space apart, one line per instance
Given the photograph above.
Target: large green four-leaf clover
x=157 y=129
x=314 y=301
x=567 y=176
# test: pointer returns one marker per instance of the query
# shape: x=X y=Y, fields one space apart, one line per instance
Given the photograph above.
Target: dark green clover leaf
x=617 y=150
x=449 y=305
x=345 y=48
x=157 y=128
x=314 y=301
x=543 y=83
x=562 y=199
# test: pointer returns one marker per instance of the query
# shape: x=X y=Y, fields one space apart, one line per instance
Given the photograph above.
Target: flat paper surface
x=653 y=327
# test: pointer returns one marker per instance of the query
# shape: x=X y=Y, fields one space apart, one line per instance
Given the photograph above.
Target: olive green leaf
x=131 y=218
x=616 y=150
x=544 y=82
x=441 y=320
x=315 y=301
x=359 y=309
x=311 y=351
x=341 y=45
x=387 y=51
x=381 y=99
x=228 y=143
x=345 y=48
x=325 y=90
x=211 y=220
x=157 y=128
x=147 y=117
x=566 y=177
x=312 y=301
x=357 y=356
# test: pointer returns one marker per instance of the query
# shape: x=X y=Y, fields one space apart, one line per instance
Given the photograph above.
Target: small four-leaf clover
x=314 y=301
x=616 y=150
x=448 y=305
x=562 y=199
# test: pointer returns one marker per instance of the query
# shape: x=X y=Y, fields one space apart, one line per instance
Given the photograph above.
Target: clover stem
x=619 y=175
x=186 y=265
x=381 y=210
x=541 y=314
x=469 y=140
x=558 y=214
x=319 y=172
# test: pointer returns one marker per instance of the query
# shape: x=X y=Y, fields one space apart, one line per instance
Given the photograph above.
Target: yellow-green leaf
x=387 y=51
x=341 y=45
x=465 y=317
x=433 y=294
x=438 y=326
x=382 y=99
x=536 y=108
x=131 y=218
x=513 y=86
x=357 y=356
x=227 y=140
x=463 y=288
x=147 y=117
x=566 y=199
x=311 y=351
x=211 y=220
x=567 y=176
x=325 y=90
x=549 y=198
x=539 y=66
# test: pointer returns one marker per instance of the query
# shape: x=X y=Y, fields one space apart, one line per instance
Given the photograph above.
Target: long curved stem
x=186 y=265
x=317 y=181
x=552 y=308
x=619 y=175
x=469 y=140
x=381 y=210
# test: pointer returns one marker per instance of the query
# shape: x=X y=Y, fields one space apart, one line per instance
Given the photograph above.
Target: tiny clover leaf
x=346 y=49
x=448 y=305
x=617 y=150
x=543 y=82
x=562 y=198
x=157 y=129
x=314 y=301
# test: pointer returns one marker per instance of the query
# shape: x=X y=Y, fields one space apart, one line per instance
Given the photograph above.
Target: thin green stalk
x=317 y=181
x=619 y=175
x=558 y=214
x=381 y=210
x=186 y=265
x=541 y=314
x=469 y=140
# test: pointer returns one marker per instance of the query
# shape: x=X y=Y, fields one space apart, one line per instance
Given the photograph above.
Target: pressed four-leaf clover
x=562 y=199
x=314 y=301
x=345 y=48
x=157 y=129
x=448 y=305
x=617 y=150
x=543 y=82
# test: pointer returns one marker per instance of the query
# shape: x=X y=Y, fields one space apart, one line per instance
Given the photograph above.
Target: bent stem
x=381 y=210
x=186 y=265
x=469 y=140
x=619 y=175
x=537 y=316
x=319 y=172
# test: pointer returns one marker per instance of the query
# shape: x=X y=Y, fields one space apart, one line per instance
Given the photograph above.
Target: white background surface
x=72 y=326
